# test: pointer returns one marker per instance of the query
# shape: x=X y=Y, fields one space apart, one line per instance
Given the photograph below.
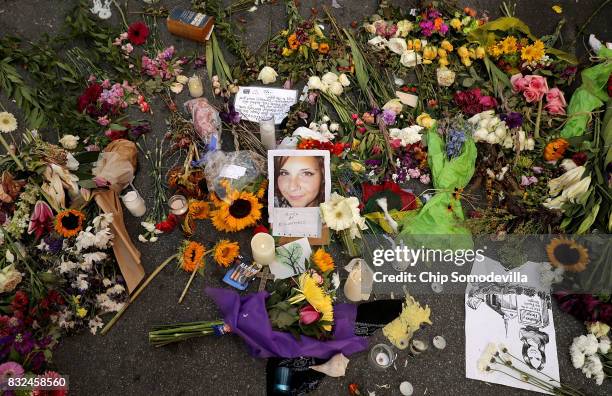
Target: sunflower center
x=566 y=254
x=240 y=208
x=70 y=221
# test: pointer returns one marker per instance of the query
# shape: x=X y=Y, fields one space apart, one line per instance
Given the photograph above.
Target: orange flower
x=193 y=256
x=225 y=252
x=293 y=41
x=198 y=210
x=438 y=23
x=323 y=260
x=555 y=149
x=470 y=11
x=324 y=48
x=69 y=222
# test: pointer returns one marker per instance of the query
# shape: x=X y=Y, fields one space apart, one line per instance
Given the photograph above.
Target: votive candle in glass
x=178 y=205
x=267 y=132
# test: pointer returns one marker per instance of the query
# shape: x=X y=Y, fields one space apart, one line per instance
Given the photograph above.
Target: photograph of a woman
x=299 y=181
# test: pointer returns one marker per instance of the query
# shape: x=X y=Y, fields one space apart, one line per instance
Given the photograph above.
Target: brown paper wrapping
x=124 y=153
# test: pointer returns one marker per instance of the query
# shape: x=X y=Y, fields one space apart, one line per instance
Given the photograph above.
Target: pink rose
x=536 y=89
x=555 y=106
x=308 y=315
x=555 y=94
x=396 y=143
x=519 y=83
x=488 y=102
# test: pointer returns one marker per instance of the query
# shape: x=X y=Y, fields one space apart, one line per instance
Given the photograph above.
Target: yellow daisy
x=8 y=122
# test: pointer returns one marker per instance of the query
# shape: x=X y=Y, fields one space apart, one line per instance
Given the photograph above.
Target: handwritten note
x=297 y=222
x=261 y=103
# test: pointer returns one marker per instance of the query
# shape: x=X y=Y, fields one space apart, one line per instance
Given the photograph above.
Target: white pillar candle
x=267 y=132
x=134 y=203
x=263 y=248
x=195 y=86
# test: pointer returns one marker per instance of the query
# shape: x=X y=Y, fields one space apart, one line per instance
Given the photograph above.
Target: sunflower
x=199 y=210
x=241 y=212
x=193 y=256
x=225 y=252
x=69 y=222
x=8 y=122
x=555 y=149
x=316 y=297
x=567 y=254
x=323 y=260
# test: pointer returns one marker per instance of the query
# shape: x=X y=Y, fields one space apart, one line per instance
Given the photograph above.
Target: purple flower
x=231 y=116
x=513 y=119
x=427 y=28
x=528 y=180
x=23 y=343
x=54 y=245
x=140 y=129
x=10 y=370
x=389 y=117
x=199 y=62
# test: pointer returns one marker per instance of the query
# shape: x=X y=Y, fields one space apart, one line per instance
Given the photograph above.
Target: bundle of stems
x=155 y=160
x=167 y=334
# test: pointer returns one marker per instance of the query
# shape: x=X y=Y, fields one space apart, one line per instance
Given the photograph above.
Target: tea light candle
x=195 y=86
x=381 y=356
x=263 y=248
x=134 y=203
x=178 y=205
x=267 y=132
x=382 y=359
x=417 y=347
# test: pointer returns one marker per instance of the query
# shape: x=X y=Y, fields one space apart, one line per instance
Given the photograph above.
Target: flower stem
x=187 y=285
x=137 y=292
x=122 y=14
x=536 y=133
x=10 y=152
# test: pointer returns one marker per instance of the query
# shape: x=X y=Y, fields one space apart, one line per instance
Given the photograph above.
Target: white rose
x=344 y=80
x=336 y=88
x=491 y=138
x=370 y=28
x=323 y=128
x=329 y=78
x=176 y=87
x=182 y=79
x=267 y=75
x=501 y=132
x=403 y=28
x=69 y=142
x=508 y=143
x=334 y=126
x=411 y=59
x=397 y=45
x=481 y=135
x=446 y=77
x=314 y=82
x=529 y=144
x=395 y=105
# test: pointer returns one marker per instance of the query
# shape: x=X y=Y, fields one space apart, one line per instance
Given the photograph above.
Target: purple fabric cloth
x=247 y=316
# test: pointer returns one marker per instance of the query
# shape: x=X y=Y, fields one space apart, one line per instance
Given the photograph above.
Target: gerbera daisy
x=567 y=254
x=323 y=260
x=8 y=122
x=69 y=222
x=242 y=211
x=193 y=256
x=138 y=33
x=199 y=210
x=225 y=252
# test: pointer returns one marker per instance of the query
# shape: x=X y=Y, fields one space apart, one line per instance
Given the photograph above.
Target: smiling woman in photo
x=299 y=181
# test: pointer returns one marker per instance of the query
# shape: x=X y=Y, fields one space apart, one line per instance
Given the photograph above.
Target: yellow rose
x=313 y=44
x=442 y=53
x=357 y=167
x=287 y=52
x=480 y=52
x=455 y=23
x=425 y=120
x=443 y=62
x=355 y=144
x=467 y=62
x=463 y=52
x=429 y=54
x=409 y=45
x=417 y=45
x=447 y=45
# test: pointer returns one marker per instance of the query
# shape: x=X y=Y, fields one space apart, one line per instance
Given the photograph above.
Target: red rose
x=90 y=96
x=20 y=301
x=138 y=33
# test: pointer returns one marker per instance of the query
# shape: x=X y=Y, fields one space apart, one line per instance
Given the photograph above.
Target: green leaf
x=588 y=221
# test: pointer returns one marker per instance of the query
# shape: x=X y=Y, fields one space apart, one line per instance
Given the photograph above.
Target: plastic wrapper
x=206 y=122
x=442 y=214
x=230 y=171
x=117 y=164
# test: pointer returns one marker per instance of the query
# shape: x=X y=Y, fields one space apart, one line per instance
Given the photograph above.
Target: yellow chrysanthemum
x=508 y=45
x=316 y=297
x=533 y=52
x=8 y=122
x=225 y=252
x=242 y=211
x=323 y=260
x=495 y=51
